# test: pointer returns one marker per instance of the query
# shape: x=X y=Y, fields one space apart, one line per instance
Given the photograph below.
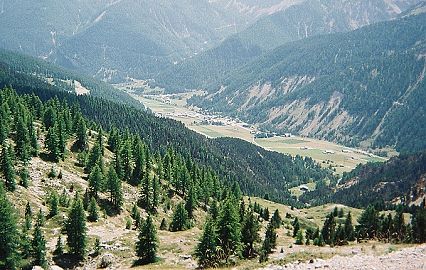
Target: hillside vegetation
x=258 y=171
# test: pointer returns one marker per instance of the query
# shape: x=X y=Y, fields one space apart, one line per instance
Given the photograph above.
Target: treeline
x=376 y=183
x=258 y=171
x=232 y=232
x=338 y=228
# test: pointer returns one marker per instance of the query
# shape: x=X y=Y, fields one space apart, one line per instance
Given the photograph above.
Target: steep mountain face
x=365 y=86
x=113 y=39
x=300 y=20
x=400 y=180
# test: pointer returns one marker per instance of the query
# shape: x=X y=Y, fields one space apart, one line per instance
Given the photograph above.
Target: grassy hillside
x=360 y=88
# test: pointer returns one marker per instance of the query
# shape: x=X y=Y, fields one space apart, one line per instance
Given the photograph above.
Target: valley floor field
x=340 y=158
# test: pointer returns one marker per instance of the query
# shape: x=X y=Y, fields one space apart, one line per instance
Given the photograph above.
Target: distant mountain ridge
x=301 y=20
x=113 y=39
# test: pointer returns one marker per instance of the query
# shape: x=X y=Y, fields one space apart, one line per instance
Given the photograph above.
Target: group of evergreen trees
x=65 y=130
x=392 y=228
x=232 y=232
x=338 y=228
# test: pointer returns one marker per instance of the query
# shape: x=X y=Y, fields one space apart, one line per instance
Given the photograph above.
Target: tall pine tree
x=147 y=244
x=7 y=166
x=206 y=248
x=76 y=229
x=9 y=236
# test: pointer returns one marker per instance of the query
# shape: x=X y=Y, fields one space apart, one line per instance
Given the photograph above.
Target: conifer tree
x=40 y=217
x=115 y=188
x=25 y=243
x=349 y=229
x=53 y=204
x=7 y=167
x=299 y=238
x=276 y=219
x=95 y=181
x=49 y=117
x=266 y=214
x=249 y=234
x=93 y=210
x=155 y=194
x=146 y=198
x=146 y=246
x=367 y=223
x=24 y=177
x=242 y=211
x=39 y=245
x=95 y=158
x=271 y=235
x=100 y=141
x=214 y=211
x=4 y=123
x=59 y=248
x=206 y=248
x=9 y=235
x=76 y=229
x=28 y=217
x=81 y=131
x=118 y=166
x=163 y=225
x=418 y=224
x=139 y=157
x=52 y=144
x=126 y=162
x=399 y=227
x=296 y=226
x=22 y=141
x=329 y=229
x=229 y=229
x=60 y=129
x=190 y=203
x=33 y=138
x=180 y=220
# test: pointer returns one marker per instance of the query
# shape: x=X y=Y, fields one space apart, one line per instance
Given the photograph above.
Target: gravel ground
x=410 y=259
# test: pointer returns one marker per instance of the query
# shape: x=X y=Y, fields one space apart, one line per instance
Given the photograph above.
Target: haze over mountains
x=126 y=187
x=114 y=39
x=245 y=53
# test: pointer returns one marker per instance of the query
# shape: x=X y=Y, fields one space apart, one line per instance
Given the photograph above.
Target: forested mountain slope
x=302 y=20
x=402 y=179
x=31 y=73
x=258 y=171
x=362 y=87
